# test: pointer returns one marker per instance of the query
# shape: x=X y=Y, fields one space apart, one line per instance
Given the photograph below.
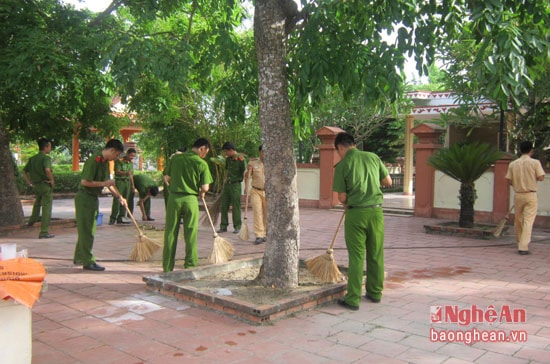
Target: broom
x=215 y=211
x=500 y=226
x=324 y=267
x=145 y=247
x=222 y=250
x=243 y=234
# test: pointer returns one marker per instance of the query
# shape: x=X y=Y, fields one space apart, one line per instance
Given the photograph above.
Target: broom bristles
x=222 y=251
x=144 y=249
x=325 y=268
x=500 y=227
x=244 y=234
x=214 y=212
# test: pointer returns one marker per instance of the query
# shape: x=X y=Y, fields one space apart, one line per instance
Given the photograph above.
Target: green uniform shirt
x=188 y=172
x=143 y=182
x=235 y=168
x=36 y=167
x=95 y=169
x=124 y=166
x=359 y=174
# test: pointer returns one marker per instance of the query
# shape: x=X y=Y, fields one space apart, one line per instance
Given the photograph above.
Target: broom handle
x=209 y=218
x=509 y=212
x=113 y=189
x=246 y=205
x=337 y=230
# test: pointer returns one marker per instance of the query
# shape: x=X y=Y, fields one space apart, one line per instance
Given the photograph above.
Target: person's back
x=363 y=178
x=38 y=175
x=523 y=174
x=184 y=171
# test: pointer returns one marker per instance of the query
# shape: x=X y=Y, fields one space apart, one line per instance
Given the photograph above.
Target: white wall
x=446 y=192
x=309 y=183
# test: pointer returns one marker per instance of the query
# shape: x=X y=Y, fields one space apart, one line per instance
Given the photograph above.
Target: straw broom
x=145 y=247
x=324 y=267
x=215 y=211
x=244 y=234
x=500 y=226
x=222 y=250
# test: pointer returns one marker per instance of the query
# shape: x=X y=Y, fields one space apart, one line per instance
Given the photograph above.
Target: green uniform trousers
x=186 y=206
x=86 y=209
x=43 y=200
x=364 y=233
x=130 y=198
x=118 y=210
x=231 y=197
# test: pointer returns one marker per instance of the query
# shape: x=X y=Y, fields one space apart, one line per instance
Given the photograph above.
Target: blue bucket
x=99 y=219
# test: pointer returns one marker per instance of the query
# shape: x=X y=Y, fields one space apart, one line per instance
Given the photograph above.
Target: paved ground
x=108 y=317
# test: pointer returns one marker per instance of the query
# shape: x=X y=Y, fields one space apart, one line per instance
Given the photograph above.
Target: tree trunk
x=283 y=244
x=467 y=200
x=11 y=211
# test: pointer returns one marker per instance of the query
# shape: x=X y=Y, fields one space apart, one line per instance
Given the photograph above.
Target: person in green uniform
x=231 y=195
x=357 y=180
x=95 y=176
x=124 y=180
x=146 y=188
x=39 y=176
x=165 y=189
x=188 y=177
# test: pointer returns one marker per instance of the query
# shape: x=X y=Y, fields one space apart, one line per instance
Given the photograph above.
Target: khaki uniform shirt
x=258 y=176
x=523 y=173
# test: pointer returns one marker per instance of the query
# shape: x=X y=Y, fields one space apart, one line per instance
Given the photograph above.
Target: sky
x=93 y=5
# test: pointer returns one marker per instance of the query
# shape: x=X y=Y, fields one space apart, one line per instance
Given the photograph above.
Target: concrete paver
x=108 y=317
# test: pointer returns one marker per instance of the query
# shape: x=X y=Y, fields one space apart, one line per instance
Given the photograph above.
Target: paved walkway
x=108 y=317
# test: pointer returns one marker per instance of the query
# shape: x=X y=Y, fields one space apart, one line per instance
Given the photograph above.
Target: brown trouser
x=257 y=199
x=525 y=205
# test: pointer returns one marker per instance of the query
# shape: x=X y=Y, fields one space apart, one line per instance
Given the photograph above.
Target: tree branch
x=112 y=7
x=292 y=15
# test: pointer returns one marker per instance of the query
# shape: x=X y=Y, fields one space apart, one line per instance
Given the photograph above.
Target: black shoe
x=46 y=236
x=372 y=299
x=94 y=266
x=122 y=222
x=149 y=218
x=524 y=252
x=259 y=241
x=111 y=221
x=222 y=230
x=236 y=231
x=343 y=303
x=30 y=224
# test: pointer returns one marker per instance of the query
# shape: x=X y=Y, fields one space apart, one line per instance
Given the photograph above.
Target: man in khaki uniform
x=255 y=171
x=523 y=174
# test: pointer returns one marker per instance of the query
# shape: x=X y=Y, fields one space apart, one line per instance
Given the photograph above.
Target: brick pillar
x=328 y=157
x=76 y=152
x=501 y=189
x=428 y=143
